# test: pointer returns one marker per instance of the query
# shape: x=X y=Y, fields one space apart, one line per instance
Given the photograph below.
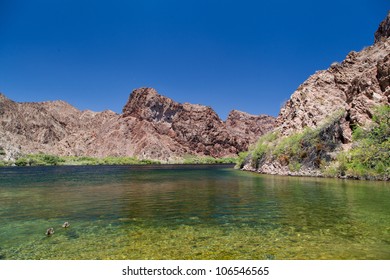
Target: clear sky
x=245 y=54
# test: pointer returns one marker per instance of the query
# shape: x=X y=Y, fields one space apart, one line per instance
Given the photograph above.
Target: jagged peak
x=144 y=90
x=146 y=103
x=138 y=98
x=383 y=31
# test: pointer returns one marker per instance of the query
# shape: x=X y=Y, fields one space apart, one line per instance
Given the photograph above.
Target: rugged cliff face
x=356 y=85
x=352 y=88
x=241 y=123
x=187 y=128
x=383 y=31
x=48 y=127
x=151 y=127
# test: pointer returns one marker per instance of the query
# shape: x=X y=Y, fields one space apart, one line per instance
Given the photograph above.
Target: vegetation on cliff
x=191 y=159
x=47 y=160
x=369 y=157
x=319 y=151
x=310 y=148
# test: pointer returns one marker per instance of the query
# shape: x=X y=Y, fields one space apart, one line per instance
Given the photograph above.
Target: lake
x=188 y=212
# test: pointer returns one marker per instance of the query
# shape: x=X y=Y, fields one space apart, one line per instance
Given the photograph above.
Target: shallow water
x=188 y=212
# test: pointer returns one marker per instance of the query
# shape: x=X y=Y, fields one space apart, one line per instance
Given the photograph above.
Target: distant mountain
x=151 y=127
x=333 y=102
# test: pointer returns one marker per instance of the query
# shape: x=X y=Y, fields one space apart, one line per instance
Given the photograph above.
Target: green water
x=188 y=212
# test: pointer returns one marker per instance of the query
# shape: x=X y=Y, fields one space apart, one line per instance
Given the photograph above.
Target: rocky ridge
x=354 y=87
x=151 y=126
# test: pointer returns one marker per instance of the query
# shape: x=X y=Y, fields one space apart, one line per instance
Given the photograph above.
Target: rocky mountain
x=151 y=127
x=356 y=85
x=191 y=129
x=353 y=88
x=383 y=31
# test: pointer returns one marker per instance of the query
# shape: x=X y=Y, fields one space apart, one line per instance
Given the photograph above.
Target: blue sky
x=246 y=55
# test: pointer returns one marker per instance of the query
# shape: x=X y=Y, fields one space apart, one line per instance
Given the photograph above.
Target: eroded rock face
x=357 y=86
x=147 y=104
x=48 y=127
x=383 y=75
x=239 y=122
x=351 y=89
x=151 y=126
x=190 y=128
x=383 y=31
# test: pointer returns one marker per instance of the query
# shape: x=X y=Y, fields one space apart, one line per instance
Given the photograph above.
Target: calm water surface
x=188 y=212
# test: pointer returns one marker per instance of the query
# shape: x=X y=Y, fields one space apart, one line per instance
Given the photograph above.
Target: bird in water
x=50 y=231
x=66 y=225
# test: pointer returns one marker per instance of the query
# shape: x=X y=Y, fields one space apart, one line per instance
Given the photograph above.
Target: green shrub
x=369 y=157
x=43 y=159
x=294 y=166
x=240 y=160
x=263 y=148
x=39 y=159
x=147 y=161
x=193 y=159
x=22 y=162
x=381 y=129
x=52 y=160
x=289 y=146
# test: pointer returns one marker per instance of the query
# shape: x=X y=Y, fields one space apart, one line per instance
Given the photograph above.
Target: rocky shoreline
x=355 y=145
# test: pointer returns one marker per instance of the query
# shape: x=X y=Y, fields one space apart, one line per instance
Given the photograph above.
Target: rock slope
x=151 y=127
x=354 y=87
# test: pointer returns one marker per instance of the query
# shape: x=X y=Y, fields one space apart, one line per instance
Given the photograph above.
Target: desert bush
x=193 y=159
x=241 y=159
x=22 y=162
x=39 y=160
x=43 y=159
x=369 y=158
x=309 y=148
